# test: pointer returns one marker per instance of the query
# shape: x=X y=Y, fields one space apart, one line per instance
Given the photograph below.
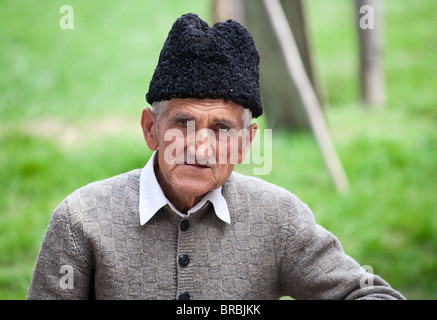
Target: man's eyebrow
x=182 y=116
x=178 y=116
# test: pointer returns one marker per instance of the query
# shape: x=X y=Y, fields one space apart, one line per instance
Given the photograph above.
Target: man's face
x=199 y=142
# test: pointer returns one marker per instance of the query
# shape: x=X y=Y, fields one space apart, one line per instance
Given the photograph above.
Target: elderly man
x=186 y=226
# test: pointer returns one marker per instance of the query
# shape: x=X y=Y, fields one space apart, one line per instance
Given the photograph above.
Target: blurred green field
x=70 y=102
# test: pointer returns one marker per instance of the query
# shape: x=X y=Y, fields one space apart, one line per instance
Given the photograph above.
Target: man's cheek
x=174 y=145
x=227 y=152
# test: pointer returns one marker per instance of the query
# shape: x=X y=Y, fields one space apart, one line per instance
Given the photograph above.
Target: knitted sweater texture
x=95 y=247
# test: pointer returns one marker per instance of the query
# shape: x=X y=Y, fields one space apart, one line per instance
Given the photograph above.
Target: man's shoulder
x=257 y=199
x=238 y=182
x=256 y=187
x=100 y=193
x=124 y=180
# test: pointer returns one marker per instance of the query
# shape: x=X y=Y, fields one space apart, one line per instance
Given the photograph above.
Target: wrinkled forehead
x=201 y=108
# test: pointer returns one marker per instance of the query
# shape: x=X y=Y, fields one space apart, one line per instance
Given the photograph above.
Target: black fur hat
x=198 y=61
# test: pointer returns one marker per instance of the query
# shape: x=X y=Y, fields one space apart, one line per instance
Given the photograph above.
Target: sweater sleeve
x=315 y=266
x=63 y=267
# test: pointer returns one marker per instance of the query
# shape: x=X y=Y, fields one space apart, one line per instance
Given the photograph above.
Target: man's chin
x=193 y=180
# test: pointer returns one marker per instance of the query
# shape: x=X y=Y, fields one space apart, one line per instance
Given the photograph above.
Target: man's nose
x=202 y=147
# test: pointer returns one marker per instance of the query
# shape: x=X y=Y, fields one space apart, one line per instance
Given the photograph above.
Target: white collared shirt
x=152 y=197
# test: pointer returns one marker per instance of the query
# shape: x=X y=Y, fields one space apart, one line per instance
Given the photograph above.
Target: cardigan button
x=184 y=296
x=184 y=260
x=185 y=224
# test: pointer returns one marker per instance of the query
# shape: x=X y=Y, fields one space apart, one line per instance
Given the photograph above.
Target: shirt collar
x=152 y=197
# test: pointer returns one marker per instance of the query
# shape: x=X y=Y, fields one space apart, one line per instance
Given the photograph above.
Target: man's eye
x=182 y=123
x=224 y=128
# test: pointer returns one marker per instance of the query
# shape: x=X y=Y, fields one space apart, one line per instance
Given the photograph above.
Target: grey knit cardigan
x=95 y=247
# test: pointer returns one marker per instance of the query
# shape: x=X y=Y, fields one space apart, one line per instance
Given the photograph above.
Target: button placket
x=184 y=260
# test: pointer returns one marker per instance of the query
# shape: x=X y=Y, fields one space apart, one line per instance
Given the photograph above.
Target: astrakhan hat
x=198 y=61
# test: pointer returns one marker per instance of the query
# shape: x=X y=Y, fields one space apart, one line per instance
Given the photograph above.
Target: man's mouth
x=197 y=165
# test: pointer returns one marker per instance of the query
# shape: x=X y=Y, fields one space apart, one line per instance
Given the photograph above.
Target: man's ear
x=247 y=141
x=148 y=124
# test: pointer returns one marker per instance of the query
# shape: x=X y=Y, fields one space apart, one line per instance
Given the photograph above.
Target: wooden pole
x=295 y=13
x=223 y=10
x=285 y=110
x=369 y=24
x=306 y=92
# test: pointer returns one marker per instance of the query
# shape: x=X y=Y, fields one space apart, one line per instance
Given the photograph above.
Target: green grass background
x=70 y=102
